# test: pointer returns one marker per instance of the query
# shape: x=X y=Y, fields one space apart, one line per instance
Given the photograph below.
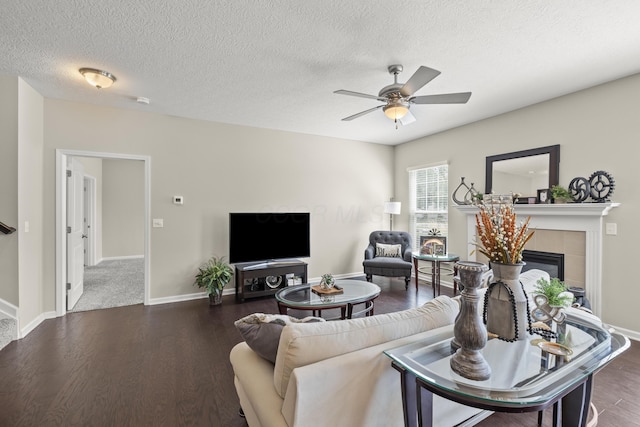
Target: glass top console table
x=526 y=376
x=355 y=292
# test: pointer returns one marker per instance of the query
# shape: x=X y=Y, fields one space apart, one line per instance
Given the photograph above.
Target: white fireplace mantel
x=586 y=217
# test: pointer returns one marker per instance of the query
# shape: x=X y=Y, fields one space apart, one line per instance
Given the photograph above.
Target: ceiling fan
x=398 y=97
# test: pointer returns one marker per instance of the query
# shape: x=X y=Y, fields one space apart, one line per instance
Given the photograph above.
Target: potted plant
x=561 y=194
x=327 y=281
x=212 y=276
x=555 y=291
x=551 y=298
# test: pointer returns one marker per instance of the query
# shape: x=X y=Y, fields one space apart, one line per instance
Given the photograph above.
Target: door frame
x=61 y=215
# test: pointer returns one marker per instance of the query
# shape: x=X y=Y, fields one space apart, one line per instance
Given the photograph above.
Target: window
x=429 y=201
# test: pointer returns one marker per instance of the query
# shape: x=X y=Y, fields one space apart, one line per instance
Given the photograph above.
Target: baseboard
x=482 y=415
x=181 y=298
x=8 y=309
x=23 y=332
x=632 y=335
x=115 y=258
x=336 y=276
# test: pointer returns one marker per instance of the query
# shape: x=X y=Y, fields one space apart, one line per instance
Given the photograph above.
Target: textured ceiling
x=275 y=64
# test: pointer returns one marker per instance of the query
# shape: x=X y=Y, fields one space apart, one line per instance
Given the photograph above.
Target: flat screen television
x=268 y=237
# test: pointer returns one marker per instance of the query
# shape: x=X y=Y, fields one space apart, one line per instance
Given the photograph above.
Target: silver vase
x=506 y=308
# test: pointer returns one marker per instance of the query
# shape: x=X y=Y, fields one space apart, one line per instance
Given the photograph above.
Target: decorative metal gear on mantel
x=580 y=189
x=602 y=186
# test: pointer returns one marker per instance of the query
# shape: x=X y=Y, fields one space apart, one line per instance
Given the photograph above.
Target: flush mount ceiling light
x=98 y=78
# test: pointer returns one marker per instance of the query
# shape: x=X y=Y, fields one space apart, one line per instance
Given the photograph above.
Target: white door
x=75 y=228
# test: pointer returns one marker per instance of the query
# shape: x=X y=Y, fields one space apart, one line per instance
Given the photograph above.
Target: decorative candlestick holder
x=469 y=331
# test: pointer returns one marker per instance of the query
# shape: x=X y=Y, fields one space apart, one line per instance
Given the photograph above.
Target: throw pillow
x=262 y=331
x=388 y=250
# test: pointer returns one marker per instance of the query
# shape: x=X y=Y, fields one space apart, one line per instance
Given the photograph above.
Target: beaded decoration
x=512 y=300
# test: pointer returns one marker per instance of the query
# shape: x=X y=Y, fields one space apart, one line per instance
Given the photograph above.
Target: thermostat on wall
x=178 y=200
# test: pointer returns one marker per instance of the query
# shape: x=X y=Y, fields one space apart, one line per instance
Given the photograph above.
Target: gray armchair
x=388 y=262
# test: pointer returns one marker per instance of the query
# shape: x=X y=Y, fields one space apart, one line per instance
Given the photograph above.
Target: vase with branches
x=501 y=238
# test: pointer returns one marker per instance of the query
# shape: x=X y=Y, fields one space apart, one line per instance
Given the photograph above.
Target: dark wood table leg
x=438 y=276
x=556 y=421
x=415 y=268
x=409 y=396
x=348 y=312
x=433 y=277
x=575 y=405
x=425 y=406
x=455 y=287
x=282 y=308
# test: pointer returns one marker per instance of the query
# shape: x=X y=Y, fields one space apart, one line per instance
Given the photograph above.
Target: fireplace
x=550 y=262
x=583 y=217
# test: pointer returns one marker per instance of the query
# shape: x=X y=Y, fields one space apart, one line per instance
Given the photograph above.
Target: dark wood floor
x=168 y=365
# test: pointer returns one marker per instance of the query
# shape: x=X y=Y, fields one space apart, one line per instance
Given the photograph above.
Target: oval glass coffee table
x=301 y=297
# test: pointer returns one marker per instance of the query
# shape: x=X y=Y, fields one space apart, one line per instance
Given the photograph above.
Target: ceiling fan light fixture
x=98 y=78
x=395 y=111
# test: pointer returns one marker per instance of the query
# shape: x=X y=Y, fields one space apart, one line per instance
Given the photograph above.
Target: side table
x=524 y=377
x=435 y=260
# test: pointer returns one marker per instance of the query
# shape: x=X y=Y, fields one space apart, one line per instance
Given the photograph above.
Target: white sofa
x=335 y=373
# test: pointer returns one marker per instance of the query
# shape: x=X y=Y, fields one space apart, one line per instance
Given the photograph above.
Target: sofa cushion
x=262 y=331
x=388 y=250
x=305 y=343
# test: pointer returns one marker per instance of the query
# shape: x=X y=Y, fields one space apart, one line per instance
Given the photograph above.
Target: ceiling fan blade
x=361 y=95
x=407 y=119
x=445 y=98
x=362 y=113
x=421 y=77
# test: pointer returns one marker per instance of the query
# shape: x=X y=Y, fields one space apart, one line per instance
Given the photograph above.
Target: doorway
x=62 y=159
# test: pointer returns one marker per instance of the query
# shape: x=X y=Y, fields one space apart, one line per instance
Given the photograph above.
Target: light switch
x=158 y=223
x=26 y=226
x=611 y=228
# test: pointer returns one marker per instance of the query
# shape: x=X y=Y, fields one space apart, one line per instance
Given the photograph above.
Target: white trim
x=182 y=298
x=8 y=309
x=428 y=165
x=115 y=258
x=634 y=335
x=35 y=323
x=61 y=214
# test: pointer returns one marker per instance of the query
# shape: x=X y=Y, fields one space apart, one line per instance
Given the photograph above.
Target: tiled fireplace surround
x=573 y=229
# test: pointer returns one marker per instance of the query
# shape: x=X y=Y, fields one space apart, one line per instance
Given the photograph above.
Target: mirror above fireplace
x=523 y=172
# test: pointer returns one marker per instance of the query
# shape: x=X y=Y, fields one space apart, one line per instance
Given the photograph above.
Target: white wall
x=597 y=129
x=122 y=208
x=222 y=168
x=30 y=204
x=9 y=188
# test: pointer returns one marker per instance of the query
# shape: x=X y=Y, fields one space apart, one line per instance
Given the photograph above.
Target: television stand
x=254 y=280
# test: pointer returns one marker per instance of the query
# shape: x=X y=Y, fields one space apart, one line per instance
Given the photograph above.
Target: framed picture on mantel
x=433 y=245
x=544 y=196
